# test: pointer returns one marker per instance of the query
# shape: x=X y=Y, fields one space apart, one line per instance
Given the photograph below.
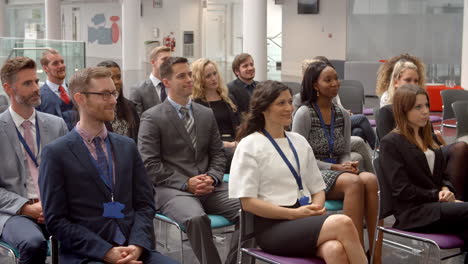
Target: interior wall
x=307 y=36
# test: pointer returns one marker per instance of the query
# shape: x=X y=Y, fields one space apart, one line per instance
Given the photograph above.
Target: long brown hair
x=264 y=95
x=403 y=102
x=198 y=69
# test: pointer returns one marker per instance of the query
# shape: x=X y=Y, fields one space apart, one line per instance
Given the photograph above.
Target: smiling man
x=98 y=201
x=54 y=93
x=241 y=89
x=183 y=155
x=23 y=134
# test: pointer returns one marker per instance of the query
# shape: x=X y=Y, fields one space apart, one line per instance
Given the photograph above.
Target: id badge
x=113 y=210
x=330 y=160
x=303 y=199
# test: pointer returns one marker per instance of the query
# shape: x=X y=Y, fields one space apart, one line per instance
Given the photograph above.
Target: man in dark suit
x=151 y=91
x=183 y=154
x=23 y=134
x=241 y=89
x=97 y=198
x=55 y=98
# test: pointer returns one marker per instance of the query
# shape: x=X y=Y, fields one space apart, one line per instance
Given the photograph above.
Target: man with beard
x=23 y=134
x=54 y=93
x=98 y=201
x=241 y=89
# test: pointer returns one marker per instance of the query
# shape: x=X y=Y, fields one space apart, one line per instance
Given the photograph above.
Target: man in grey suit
x=151 y=91
x=183 y=154
x=23 y=133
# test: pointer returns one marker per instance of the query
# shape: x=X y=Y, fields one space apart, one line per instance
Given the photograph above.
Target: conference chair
x=425 y=246
x=461 y=113
x=352 y=95
x=448 y=98
x=10 y=255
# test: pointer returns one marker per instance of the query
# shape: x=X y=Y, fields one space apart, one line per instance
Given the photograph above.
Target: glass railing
x=274 y=44
x=73 y=52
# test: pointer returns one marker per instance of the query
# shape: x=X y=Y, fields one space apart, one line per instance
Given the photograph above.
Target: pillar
x=255 y=35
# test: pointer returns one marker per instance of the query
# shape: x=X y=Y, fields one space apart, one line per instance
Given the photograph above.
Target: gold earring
x=318 y=94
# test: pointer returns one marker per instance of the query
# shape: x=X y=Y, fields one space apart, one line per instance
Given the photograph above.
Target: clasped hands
x=307 y=210
x=34 y=211
x=200 y=184
x=123 y=255
x=445 y=195
x=349 y=166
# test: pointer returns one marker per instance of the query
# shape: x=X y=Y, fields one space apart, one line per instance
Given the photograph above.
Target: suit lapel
x=78 y=148
x=420 y=157
x=10 y=130
x=119 y=159
x=151 y=92
x=50 y=95
x=198 y=124
x=43 y=130
x=175 y=120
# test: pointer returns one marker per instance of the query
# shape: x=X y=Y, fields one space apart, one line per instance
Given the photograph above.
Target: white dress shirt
x=18 y=120
x=55 y=87
x=258 y=170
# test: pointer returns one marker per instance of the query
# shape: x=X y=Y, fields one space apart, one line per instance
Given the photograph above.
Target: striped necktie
x=189 y=125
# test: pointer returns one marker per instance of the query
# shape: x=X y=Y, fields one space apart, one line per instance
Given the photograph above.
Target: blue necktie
x=102 y=164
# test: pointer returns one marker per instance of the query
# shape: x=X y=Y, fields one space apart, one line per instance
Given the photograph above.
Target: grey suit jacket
x=168 y=154
x=13 y=171
x=144 y=96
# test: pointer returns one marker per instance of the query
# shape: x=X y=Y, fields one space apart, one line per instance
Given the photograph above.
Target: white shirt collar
x=18 y=120
x=155 y=81
x=54 y=87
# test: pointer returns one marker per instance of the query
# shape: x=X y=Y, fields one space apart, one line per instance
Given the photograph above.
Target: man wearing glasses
x=98 y=200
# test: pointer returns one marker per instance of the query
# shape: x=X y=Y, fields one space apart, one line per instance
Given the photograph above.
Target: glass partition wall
x=73 y=52
x=429 y=29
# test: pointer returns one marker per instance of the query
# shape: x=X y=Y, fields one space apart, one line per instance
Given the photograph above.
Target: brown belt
x=32 y=201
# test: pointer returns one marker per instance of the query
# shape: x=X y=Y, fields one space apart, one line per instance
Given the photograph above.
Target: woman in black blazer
x=413 y=166
x=210 y=91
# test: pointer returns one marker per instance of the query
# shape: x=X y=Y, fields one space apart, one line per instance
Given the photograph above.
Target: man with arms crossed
x=183 y=154
x=23 y=134
x=98 y=200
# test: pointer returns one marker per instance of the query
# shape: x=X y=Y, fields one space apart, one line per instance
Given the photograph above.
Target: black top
x=240 y=93
x=226 y=119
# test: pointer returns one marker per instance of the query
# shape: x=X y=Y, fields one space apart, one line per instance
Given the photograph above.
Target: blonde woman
x=399 y=70
x=209 y=90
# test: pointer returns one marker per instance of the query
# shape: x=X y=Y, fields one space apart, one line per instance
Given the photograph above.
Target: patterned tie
x=28 y=137
x=119 y=238
x=189 y=125
x=163 y=91
x=64 y=95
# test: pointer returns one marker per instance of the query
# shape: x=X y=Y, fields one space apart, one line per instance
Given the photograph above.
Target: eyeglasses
x=105 y=95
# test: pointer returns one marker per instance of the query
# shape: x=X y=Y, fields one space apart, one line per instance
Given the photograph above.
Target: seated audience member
x=151 y=91
x=183 y=154
x=456 y=154
x=360 y=125
x=23 y=134
x=241 y=89
x=126 y=121
x=412 y=163
x=275 y=175
x=98 y=200
x=397 y=71
x=55 y=97
x=326 y=126
x=209 y=90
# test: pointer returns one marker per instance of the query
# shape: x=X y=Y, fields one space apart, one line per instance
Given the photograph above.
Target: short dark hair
x=80 y=81
x=166 y=66
x=238 y=60
x=108 y=64
x=14 y=65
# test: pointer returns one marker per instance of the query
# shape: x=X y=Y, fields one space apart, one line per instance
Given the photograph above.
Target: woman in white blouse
x=275 y=175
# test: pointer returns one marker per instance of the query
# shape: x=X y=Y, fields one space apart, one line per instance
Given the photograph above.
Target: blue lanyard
x=291 y=168
x=330 y=134
x=26 y=147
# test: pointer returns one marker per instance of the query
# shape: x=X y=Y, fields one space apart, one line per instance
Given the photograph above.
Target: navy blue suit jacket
x=73 y=194
x=52 y=104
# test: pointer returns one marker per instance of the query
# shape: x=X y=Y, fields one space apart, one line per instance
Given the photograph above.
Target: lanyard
x=293 y=171
x=329 y=135
x=27 y=148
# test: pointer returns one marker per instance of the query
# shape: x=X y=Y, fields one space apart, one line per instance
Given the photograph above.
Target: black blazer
x=414 y=190
x=240 y=95
x=234 y=116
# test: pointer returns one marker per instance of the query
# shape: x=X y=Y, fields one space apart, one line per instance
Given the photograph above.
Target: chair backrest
x=365 y=72
x=352 y=95
x=339 y=67
x=450 y=96
x=461 y=113
x=246 y=226
x=385 y=191
x=376 y=117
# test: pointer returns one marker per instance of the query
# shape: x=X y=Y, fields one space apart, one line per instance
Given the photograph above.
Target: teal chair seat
x=16 y=252
x=334 y=205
